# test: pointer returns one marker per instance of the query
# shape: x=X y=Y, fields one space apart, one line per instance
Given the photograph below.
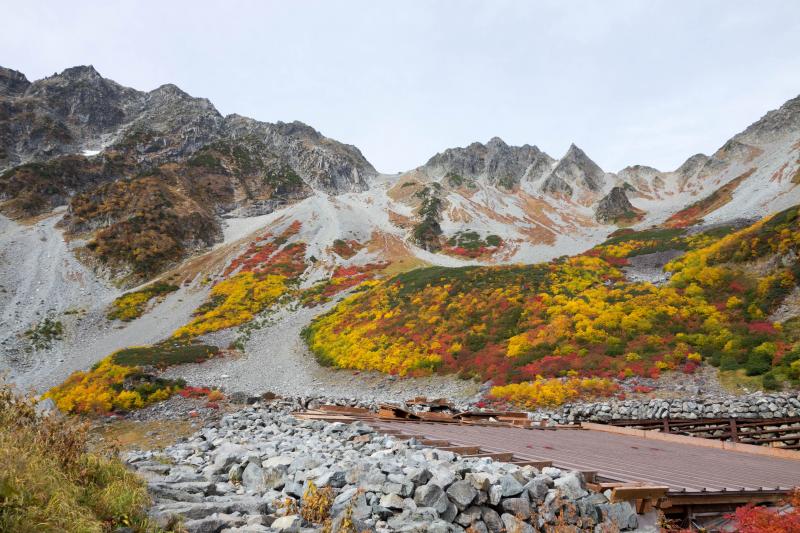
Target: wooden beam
x=642 y=492
x=462 y=450
x=504 y=457
x=435 y=443
x=536 y=464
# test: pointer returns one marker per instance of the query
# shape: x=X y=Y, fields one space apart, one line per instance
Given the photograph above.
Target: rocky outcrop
x=12 y=82
x=641 y=178
x=235 y=475
x=323 y=163
x=495 y=161
x=776 y=124
x=615 y=206
x=574 y=172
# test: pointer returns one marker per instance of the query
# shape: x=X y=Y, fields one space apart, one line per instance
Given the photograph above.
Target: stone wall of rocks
x=230 y=476
x=758 y=405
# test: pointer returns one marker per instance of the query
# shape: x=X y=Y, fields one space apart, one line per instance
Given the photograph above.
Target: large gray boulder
x=462 y=493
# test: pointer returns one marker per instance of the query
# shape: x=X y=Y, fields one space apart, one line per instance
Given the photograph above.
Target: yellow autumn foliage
x=234 y=301
x=99 y=390
x=552 y=392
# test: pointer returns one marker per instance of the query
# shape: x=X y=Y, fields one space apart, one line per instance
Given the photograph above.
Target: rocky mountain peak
x=12 y=82
x=323 y=163
x=692 y=166
x=495 y=143
x=781 y=122
x=495 y=161
x=297 y=128
x=80 y=72
x=78 y=108
x=641 y=178
x=574 y=170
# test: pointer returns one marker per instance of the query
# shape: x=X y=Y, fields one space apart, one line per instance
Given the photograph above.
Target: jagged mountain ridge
x=236 y=166
x=78 y=110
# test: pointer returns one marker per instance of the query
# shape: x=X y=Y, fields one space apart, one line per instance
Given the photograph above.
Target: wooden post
x=666 y=425
x=734 y=434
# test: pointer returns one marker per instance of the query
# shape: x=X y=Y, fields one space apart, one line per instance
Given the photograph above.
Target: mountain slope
x=147 y=175
x=107 y=187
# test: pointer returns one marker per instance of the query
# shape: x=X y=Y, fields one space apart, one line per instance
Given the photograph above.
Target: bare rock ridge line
x=80 y=111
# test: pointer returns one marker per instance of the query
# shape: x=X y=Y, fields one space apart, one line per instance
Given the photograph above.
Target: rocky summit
x=260 y=469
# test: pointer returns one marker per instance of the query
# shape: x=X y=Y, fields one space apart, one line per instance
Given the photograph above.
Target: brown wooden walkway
x=698 y=477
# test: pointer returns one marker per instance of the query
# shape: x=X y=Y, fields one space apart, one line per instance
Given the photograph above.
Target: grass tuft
x=50 y=482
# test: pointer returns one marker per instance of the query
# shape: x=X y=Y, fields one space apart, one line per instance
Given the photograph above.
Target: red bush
x=750 y=519
x=761 y=327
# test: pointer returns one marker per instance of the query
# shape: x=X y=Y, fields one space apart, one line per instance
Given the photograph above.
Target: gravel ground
x=40 y=277
x=277 y=360
x=650 y=267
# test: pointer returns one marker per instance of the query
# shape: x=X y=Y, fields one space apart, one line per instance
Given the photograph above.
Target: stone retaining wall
x=758 y=405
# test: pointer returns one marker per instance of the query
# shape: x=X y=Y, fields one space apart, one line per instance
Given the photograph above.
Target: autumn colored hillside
x=581 y=317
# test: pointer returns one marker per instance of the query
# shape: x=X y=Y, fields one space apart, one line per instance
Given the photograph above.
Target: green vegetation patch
x=43 y=334
x=165 y=354
x=132 y=305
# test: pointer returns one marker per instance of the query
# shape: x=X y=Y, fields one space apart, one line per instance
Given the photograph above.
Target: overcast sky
x=645 y=82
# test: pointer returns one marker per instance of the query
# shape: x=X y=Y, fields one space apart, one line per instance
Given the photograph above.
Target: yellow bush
x=518 y=345
x=552 y=392
x=99 y=390
x=234 y=301
x=733 y=302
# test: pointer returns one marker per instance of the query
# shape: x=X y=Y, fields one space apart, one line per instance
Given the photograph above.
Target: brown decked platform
x=698 y=476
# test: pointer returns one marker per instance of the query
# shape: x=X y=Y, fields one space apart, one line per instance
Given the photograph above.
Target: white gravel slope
x=278 y=361
x=40 y=276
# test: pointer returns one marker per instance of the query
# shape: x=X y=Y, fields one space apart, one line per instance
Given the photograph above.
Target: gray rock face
x=78 y=109
x=12 y=82
x=642 y=178
x=495 y=161
x=461 y=493
x=574 y=172
x=776 y=124
x=510 y=486
x=614 y=206
x=323 y=163
x=512 y=523
x=431 y=495
x=571 y=486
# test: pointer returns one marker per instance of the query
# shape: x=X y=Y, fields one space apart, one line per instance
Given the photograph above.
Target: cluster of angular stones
x=757 y=405
x=236 y=476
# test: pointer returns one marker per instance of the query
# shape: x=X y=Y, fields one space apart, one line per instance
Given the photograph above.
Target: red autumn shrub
x=751 y=519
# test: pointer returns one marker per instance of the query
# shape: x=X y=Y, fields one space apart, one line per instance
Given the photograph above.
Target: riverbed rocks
x=254 y=470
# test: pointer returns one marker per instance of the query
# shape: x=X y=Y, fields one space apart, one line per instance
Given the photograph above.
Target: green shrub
x=43 y=334
x=165 y=354
x=770 y=382
x=758 y=363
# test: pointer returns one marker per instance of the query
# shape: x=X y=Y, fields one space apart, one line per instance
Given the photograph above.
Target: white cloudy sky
x=647 y=82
